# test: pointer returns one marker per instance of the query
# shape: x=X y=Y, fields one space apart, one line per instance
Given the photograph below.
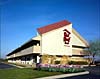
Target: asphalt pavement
x=94 y=74
x=5 y=66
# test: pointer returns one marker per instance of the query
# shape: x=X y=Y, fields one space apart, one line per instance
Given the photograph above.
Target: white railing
x=29 y=50
x=25 y=51
x=11 y=56
x=78 y=52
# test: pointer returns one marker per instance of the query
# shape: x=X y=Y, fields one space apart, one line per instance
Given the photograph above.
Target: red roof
x=54 y=26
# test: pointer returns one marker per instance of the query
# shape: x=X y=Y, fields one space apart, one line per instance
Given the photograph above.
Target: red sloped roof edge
x=53 y=26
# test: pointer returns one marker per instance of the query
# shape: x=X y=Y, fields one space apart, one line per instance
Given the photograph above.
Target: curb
x=88 y=66
x=93 y=65
x=16 y=66
x=65 y=75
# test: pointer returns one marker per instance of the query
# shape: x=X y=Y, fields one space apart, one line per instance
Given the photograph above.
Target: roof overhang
x=24 y=46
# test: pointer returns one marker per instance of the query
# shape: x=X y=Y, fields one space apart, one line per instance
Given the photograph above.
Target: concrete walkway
x=65 y=75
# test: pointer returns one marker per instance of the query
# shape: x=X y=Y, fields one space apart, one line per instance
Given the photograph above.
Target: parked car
x=97 y=62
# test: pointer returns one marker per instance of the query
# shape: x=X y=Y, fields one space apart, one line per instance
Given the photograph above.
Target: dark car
x=97 y=62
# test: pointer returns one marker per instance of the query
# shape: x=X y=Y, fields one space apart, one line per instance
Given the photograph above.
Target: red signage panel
x=66 y=37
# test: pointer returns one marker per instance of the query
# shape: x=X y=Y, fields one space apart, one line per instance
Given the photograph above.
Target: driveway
x=5 y=66
x=94 y=74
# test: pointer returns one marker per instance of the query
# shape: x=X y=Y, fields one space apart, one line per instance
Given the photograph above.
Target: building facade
x=55 y=39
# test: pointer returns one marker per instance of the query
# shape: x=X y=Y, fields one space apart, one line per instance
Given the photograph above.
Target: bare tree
x=94 y=49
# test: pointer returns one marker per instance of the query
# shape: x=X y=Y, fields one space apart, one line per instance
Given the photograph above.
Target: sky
x=19 y=19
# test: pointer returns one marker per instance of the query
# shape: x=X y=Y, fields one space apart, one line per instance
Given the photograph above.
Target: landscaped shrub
x=77 y=63
x=60 y=68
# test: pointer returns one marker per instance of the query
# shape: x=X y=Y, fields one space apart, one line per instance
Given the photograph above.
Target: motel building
x=58 y=39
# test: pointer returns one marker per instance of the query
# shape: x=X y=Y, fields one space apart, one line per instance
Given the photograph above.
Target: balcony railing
x=78 y=52
x=29 y=50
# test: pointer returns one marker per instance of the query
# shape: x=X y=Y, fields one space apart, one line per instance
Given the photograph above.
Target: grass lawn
x=24 y=73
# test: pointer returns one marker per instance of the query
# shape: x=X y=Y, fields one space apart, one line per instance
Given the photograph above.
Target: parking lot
x=94 y=73
x=5 y=66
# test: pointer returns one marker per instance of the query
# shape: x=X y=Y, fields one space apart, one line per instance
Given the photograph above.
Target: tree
x=94 y=49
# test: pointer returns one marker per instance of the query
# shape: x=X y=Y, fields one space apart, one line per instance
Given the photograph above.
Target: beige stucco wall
x=38 y=37
x=11 y=56
x=36 y=49
x=26 y=51
x=53 y=44
x=78 y=40
x=77 y=51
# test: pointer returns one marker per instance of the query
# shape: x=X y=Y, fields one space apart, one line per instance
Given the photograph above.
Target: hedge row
x=64 y=70
x=59 y=68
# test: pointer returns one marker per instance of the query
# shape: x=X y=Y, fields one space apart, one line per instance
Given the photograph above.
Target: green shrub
x=63 y=70
x=45 y=68
x=50 y=69
x=59 y=68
